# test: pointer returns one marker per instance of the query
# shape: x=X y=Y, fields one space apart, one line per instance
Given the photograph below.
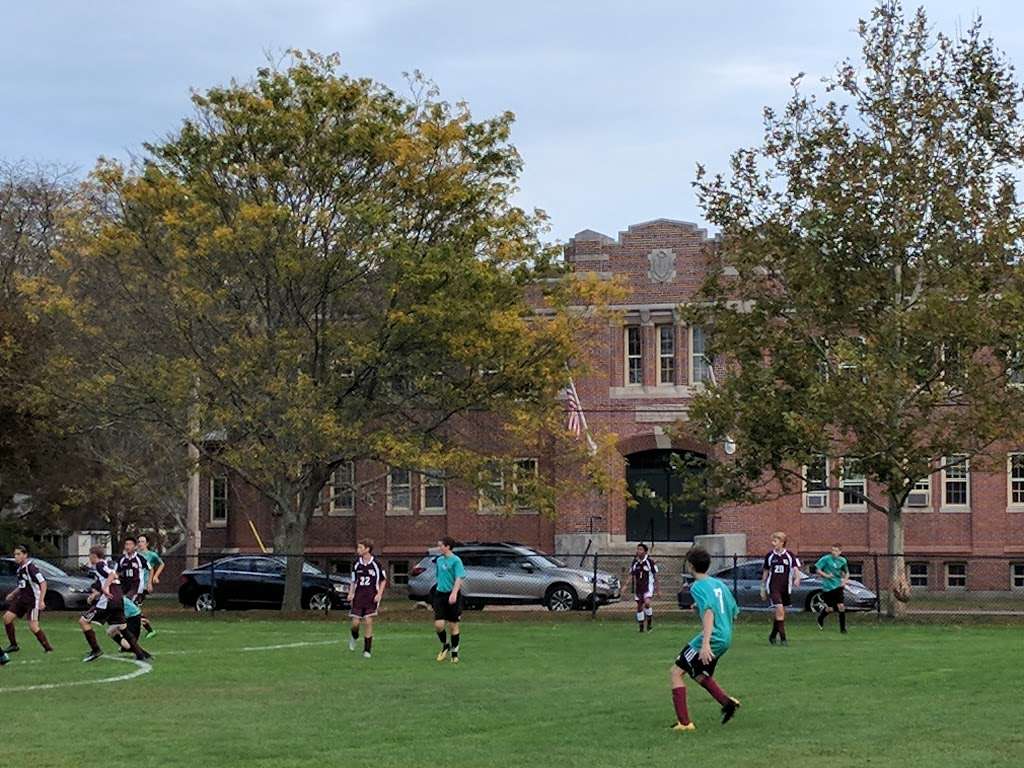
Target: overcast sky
x=615 y=101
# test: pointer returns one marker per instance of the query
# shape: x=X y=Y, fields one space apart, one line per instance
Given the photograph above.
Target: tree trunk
x=897 y=569
x=290 y=542
x=290 y=527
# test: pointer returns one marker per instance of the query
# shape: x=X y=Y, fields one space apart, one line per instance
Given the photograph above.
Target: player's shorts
x=24 y=609
x=779 y=597
x=689 y=661
x=364 y=606
x=833 y=597
x=445 y=611
x=113 y=614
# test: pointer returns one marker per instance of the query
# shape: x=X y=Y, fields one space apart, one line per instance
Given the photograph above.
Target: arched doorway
x=662 y=512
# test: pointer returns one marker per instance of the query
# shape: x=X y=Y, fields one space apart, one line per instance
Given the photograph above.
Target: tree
x=866 y=297
x=318 y=270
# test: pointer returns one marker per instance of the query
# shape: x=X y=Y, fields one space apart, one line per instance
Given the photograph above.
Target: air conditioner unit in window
x=917 y=500
x=815 y=501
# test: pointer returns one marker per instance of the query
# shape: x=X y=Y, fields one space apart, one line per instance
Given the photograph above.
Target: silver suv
x=511 y=574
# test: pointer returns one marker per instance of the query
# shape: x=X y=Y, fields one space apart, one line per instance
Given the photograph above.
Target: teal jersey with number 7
x=712 y=594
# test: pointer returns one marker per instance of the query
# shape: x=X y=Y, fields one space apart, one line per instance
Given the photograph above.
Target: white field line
x=142 y=668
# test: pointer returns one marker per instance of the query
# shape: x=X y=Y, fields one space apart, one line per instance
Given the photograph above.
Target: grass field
x=533 y=691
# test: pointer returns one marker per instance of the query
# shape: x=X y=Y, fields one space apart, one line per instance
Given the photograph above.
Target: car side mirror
x=528 y=567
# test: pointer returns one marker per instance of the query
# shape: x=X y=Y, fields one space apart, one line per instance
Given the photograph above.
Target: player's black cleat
x=729 y=709
x=784 y=642
x=842 y=631
x=12 y=648
x=93 y=655
x=144 y=656
x=771 y=639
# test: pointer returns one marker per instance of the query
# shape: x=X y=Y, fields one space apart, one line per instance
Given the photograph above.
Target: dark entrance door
x=662 y=511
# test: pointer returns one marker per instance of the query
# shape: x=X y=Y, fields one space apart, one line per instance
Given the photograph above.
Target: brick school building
x=649 y=366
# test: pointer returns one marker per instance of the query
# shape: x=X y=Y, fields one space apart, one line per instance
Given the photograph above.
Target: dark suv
x=508 y=573
x=257 y=581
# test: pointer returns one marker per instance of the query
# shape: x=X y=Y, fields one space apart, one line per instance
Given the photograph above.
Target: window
x=856 y=570
x=524 y=482
x=492 y=494
x=1015 y=368
x=399 y=571
x=854 y=484
x=433 y=492
x=917 y=574
x=219 y=500
x=666 y=354
x=1017 y=575
x=399 y=491
x=816 y=484
x=342 y=490
x=956 y=481
x=700 y=363
x=956 y=575
x=634 y=355
x=920 y=497
x=1015 y=477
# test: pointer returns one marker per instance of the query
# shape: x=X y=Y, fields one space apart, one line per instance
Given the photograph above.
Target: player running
x=448 y=598
x=364 y=593
x=152 y=574
x=643 y=570
x=26 y=601
x=834 y=572
x=717 y=608
x=107 y=607
x=780 y=575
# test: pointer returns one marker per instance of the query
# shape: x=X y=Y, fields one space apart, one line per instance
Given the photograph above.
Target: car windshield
x=546 y=561
x=49 y=569
x=310 y=568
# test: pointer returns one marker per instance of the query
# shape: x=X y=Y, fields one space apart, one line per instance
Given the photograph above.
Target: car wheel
x=54 y=602
x=473 y=605
x=560 y=598
x=205 y=603
x=815 y=603
x=320 y=601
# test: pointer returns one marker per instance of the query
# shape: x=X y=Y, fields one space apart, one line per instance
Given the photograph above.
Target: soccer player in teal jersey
x=834 y=573
x=152 y=575
x=448 y=599
x=716 y=608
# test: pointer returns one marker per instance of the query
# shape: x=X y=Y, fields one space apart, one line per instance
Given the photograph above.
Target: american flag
x=577 y=419
x=572 y=403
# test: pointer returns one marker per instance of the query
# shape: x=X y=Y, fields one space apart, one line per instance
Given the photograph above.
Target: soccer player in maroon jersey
x=643 y=572
x=107 y=607
x=780 y=575
x=26 y=600
x=364 y=593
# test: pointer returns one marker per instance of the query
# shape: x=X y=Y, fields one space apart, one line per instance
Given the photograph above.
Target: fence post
x=213 y=585
x=878 y=589
x=735 y=577
x=593 y=591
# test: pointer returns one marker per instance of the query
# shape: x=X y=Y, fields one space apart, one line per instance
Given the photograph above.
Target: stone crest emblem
x=663 y=265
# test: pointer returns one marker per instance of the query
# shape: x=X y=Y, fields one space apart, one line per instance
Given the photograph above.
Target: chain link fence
x=505 y=578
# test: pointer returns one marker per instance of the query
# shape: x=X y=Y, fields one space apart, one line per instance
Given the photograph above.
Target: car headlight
x=79 y=590
x=588 y=579
x=339 y=587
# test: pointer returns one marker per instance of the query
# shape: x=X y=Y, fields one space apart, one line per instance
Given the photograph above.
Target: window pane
x=1017 y=575
x=219 y=499
x=401 y=489
x=634 y=356
x=699 y=363
x=956 y=574
x=1017 y=478
x=342 y=488
x=918 y=574
x=433 y=490
x=817 y=474
x=667 y=354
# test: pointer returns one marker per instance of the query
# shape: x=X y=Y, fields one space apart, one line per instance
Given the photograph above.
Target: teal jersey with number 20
x=711 y=594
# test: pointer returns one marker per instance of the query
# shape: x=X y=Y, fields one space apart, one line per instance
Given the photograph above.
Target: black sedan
x=257 y=581
x=63 y=591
